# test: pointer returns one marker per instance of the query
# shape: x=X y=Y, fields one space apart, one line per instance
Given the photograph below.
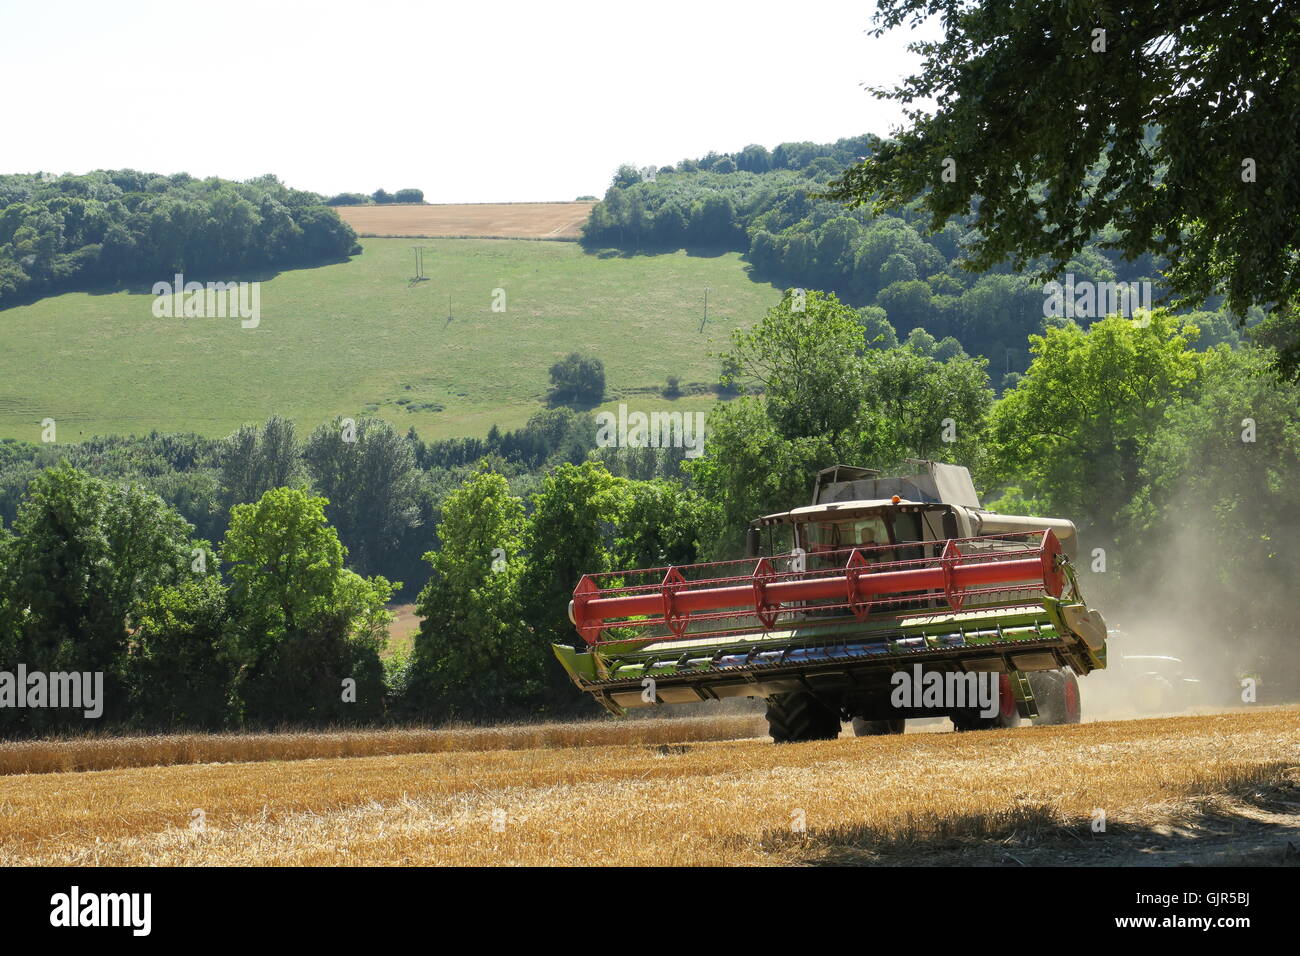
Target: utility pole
x=419 y=264
x=706 y=309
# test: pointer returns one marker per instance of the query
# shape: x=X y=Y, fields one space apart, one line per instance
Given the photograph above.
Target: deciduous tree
x=1176 y=123
x=474 y=657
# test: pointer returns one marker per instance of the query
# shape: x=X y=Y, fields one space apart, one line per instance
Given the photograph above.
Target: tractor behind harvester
x=881 y=574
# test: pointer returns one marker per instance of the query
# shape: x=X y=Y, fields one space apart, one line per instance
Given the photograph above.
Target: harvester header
x=859 y=580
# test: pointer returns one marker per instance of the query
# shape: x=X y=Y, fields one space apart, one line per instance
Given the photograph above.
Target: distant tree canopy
x=369 y=476
x=551 y=436
x=578 y=378
x=383 y=489
x=110 y=227
x=379 y=196
x=1170 y=127
x=253 y=461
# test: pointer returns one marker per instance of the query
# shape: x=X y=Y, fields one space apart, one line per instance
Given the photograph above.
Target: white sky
x=471 y=101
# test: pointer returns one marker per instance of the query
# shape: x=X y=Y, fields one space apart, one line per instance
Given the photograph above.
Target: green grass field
x=360 y=338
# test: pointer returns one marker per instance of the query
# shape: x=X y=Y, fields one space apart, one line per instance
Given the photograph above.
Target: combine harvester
x=882 y=574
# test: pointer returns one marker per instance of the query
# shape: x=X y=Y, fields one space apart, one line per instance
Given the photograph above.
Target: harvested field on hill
x=401 y=632
x=518 y=220
x=1173 y=790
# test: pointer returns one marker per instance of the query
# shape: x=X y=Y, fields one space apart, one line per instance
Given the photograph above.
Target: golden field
x=114 y=753
x=502 y=220
x=1226 y=781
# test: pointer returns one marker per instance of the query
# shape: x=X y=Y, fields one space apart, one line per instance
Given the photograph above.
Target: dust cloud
x=1204 y=609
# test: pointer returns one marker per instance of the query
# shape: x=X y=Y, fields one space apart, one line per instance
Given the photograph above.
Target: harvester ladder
x=1024 y=695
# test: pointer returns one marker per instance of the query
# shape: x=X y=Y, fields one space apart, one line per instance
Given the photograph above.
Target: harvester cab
x=906 y=517
x=838 y=598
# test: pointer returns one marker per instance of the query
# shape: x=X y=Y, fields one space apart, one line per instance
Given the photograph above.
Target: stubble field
x=1208 y=788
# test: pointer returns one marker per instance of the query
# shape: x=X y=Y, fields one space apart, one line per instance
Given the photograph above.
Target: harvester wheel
x=877 y=728
x=1057 y=694
x=1006 y=717
x=792 y=718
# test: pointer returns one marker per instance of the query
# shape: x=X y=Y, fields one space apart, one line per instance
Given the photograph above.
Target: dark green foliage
x=1174 y=131
x=579 y=379
x=84 y=557
x=178 y=672
x=179 y=468
x=349 y=199
x=474 y=656
x=253 y=461
x=379 y=196
x=551 y=435
x=111 y=227
x=368 y=474
x=301 y=624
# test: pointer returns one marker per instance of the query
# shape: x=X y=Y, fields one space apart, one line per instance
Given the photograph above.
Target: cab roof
x=847 y=509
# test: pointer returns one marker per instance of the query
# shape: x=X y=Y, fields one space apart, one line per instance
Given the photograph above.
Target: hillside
x=773 y=208
x=360 y=336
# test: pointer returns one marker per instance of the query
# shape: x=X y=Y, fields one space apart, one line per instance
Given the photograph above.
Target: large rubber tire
x=794 y=718
x=877 y=728
x=1057 y=694
x=1006 y=717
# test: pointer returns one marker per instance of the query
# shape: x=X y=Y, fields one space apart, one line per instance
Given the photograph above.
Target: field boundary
x=513 y=202
x=77 y=755
x=409 y=235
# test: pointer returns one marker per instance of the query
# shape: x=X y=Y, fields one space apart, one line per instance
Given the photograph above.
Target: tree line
x=272 y=626
x=108 y=228
x=384 y=487
x=378 y=197
x=1176 y=462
